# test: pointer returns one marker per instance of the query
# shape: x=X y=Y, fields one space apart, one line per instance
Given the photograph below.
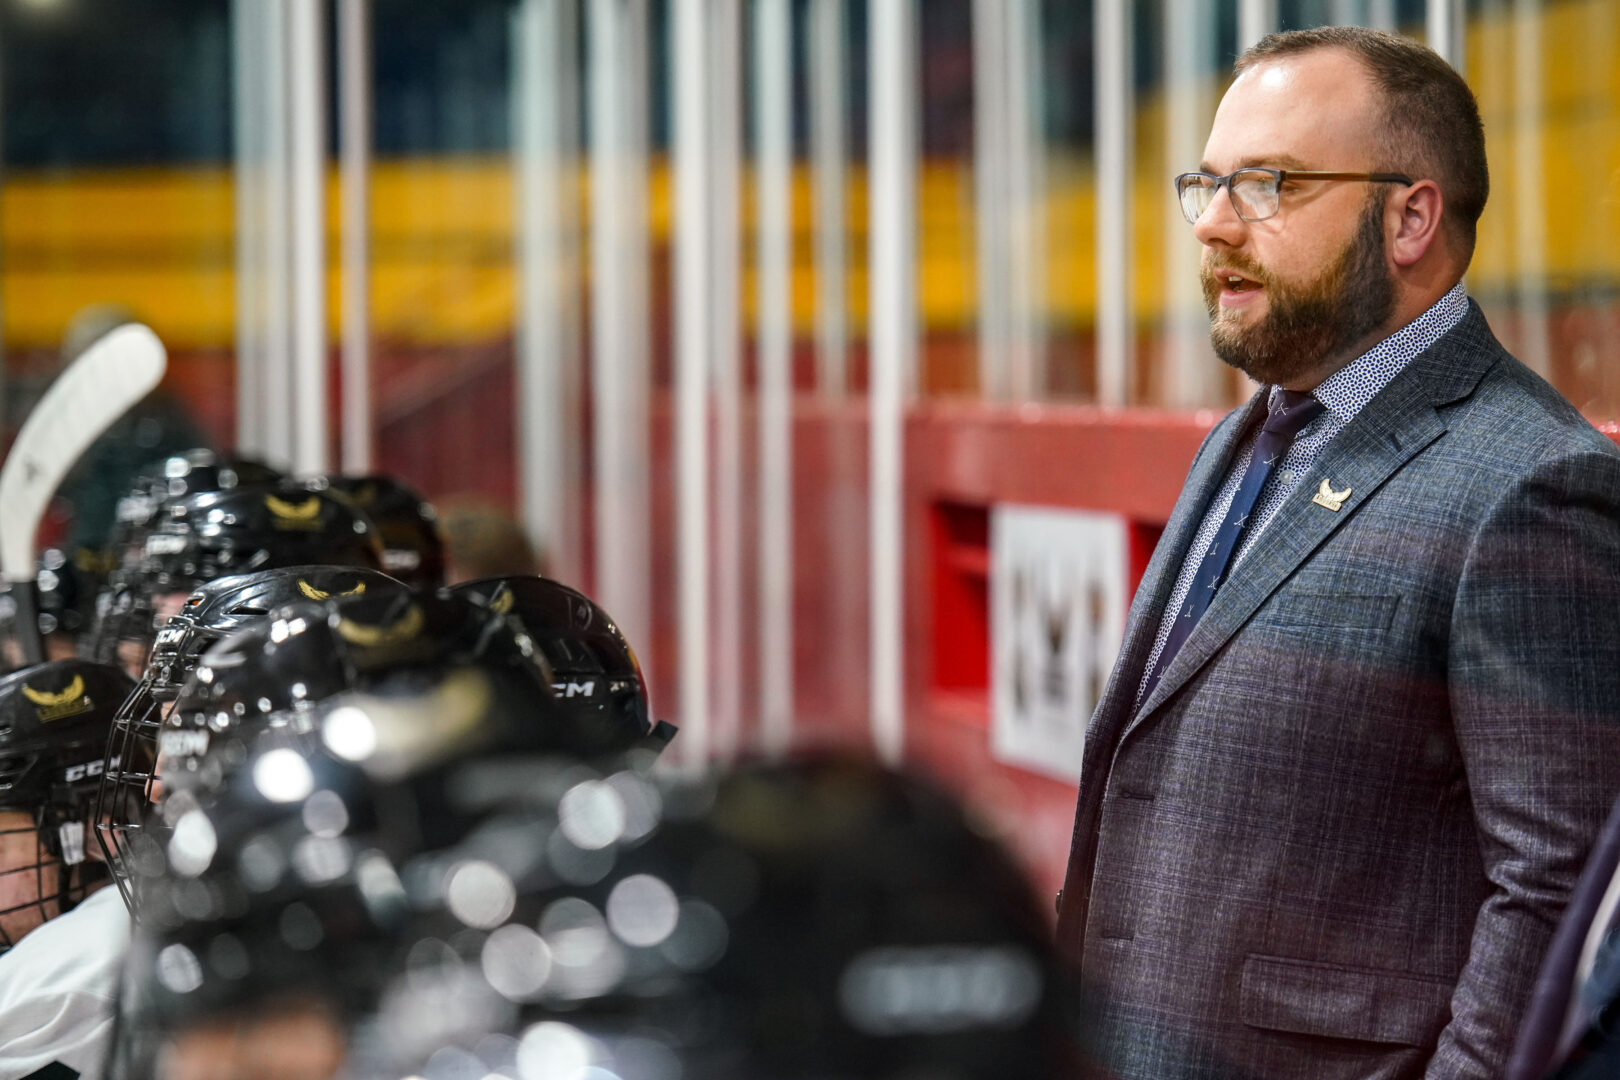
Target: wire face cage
x=61 y=878
x=124 y=822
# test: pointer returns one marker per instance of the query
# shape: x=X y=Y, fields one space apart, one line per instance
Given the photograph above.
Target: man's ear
x=1418 y=212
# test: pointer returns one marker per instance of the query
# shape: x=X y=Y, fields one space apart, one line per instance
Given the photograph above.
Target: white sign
x=1059 y=585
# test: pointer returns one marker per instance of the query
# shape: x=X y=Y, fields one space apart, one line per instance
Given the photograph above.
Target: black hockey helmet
x=210 y=534
x=213 y=533
x=179 y=475
x=292 y=868
x=219 y=607
x=54 y=719
x=392 y=645
x=820 y=919
x=303 y=655
x=67 y=587
x=211 y=613
x=308 y=652
x=589 y=655
x=65 y=602
x=413 y=549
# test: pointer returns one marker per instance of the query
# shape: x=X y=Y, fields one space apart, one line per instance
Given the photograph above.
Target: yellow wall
x=160 y=240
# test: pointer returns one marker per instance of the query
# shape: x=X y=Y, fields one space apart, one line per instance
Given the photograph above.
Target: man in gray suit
x=1366 y=719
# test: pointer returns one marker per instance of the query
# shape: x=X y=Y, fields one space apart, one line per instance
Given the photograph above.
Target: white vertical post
x=278 y=301
x=725 y=96
x=842 y=517
x=1381 y=14
x=1192 y=375
x=892 y=155
x=620 y=371
x=1529 y=162
x=354 y=109
x=694 y=341
x=1026 y=184
x=545 y=142
x=307 y=160
x=249 y=46
x=1009 y=202
x=773 y=142
x=1256 y=19
x=991 y=195
x=1444 y=25
x=1112 y=35
x=827 y=80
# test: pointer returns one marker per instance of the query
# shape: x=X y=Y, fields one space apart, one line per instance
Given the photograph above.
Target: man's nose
x=1219 y=223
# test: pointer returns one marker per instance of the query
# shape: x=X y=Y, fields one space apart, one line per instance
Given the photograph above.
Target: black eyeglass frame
x=1279 y=177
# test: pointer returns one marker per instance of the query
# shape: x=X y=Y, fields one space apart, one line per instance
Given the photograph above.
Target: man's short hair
x=1431 y=120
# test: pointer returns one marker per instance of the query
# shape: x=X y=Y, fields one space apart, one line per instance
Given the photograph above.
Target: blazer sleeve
x=1534 y=682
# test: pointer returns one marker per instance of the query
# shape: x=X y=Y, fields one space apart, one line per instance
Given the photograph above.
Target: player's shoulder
x=77 y=952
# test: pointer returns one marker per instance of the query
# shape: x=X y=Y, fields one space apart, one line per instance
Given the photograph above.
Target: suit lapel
x=1382 y=438
x=1159 y=579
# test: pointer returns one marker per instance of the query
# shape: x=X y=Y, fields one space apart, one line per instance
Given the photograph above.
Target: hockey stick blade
x=123 y=366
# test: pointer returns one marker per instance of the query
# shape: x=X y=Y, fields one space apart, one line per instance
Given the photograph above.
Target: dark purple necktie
x=1289 y=414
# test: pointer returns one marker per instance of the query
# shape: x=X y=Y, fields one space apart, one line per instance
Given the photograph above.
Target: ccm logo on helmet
x=74 y=773
x=575 y=689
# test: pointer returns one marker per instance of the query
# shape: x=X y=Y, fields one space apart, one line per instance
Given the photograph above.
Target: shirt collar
x=1347 y=390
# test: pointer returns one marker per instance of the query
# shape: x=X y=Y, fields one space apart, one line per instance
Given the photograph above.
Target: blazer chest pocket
x=1338 y=1002
x=1339 y=610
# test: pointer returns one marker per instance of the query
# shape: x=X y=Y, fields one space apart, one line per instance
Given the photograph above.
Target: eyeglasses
x=1254 y=192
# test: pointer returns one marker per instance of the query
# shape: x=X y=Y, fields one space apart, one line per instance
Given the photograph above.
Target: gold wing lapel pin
x=1326 y=496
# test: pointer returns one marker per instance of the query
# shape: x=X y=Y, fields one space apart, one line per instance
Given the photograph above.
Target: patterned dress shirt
x=1344 y=393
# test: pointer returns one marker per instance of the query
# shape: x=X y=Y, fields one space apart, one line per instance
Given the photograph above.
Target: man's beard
x=1306 y=323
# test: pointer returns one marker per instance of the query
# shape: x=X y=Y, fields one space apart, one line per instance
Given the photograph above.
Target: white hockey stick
x=96 y=389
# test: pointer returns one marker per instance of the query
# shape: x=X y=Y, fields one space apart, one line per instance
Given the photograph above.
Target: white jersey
x=57 y=988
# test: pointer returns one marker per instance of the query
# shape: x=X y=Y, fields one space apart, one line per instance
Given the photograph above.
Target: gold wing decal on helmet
x=307 y=510
x=371 y=636
x=502 y=604
x=45 y=698
x=321 y=594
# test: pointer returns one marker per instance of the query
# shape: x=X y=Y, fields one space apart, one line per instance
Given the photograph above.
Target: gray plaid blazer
x=1336 y=838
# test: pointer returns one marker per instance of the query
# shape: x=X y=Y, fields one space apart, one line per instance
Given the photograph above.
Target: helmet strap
x=70 y=835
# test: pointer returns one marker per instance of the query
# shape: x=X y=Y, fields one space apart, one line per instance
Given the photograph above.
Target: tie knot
x=1290 y=412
